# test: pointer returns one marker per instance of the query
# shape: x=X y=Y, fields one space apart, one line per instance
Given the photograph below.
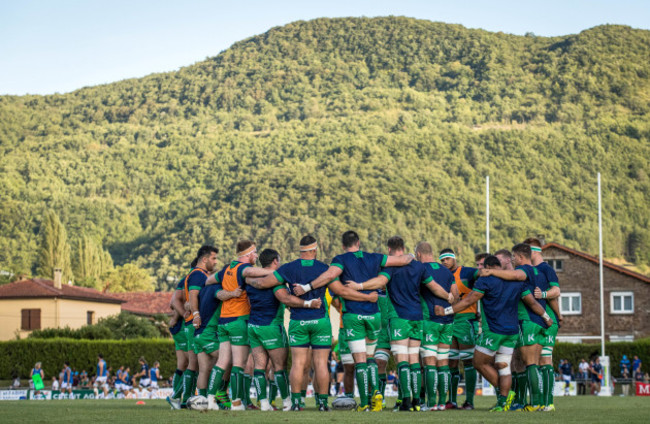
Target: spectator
x=55 y=383
x=625 y=363
x=566 y=371
x=390 y=379
x=596 y=371
x=16 y=384
x=625 y=378
x=583 y=375
x=636 y=366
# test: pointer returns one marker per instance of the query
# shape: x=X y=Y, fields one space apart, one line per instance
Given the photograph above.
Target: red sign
x=643 y=389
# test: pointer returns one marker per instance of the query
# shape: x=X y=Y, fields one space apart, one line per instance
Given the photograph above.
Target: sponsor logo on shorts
x=314 y=321
x=365 y=317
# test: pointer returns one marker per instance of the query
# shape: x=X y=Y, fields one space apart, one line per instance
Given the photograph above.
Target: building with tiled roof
x=146 y=303
x=626 y=296
x=34 y=304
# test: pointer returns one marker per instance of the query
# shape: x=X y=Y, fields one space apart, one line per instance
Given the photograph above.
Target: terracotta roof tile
x=39 y=288
x=146 y=303
x=595 y=260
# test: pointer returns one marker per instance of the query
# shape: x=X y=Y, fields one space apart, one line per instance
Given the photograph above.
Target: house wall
x=582 y=275
x=55 y=313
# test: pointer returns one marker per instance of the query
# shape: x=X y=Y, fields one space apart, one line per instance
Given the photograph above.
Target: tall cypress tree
x=54 y=251
x=91 y=262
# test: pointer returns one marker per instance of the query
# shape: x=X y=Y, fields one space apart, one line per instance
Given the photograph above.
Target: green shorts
x=180 y=340
x=269 y=337
x=402 y=329
x=188 y=329
x=532 y=333
x=344 y=349
x=550 y=334
x=235 y=332
x=493 y=341
x=358 y=327
x=435 y=333
x=315 y=333
x=207 y=341
x=465 y=329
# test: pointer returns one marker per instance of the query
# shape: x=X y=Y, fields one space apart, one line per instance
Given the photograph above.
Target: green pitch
x=584 y=409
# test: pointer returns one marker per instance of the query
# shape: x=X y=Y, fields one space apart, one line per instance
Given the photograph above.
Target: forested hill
x=385 y=125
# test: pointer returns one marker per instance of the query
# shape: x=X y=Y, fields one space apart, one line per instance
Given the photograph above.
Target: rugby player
x=266 y=333
x=143 y=374
x=101 y=377
x=437 y=331
x=465 y=331
x=154 y=376
x=551 y=295
x=66 y=381
x=361 y=319
x=345 y=356
x=176 y=324
x=233 y=322
x=308 y=327
x=405 y=315
x=532 y=325
x=500 y=312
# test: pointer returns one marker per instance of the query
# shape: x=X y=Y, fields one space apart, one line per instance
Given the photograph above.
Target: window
x=556 y=264
x=571 y=303
x=30 y=319
x=90 y=317
x=622 y=302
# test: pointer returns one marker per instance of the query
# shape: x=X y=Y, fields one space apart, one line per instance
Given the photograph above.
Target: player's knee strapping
x=370 y=349
x=398 y=349
x=414 y=350
x=357 y=346
x=466 y=354
x=382 y=355
x=429 y=351
x=504 y=356
x=547 y=351
x=443 y=353
x=454 y=354
x=347 y=359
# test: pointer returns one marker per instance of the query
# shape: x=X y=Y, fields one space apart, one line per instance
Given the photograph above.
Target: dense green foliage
x=385 y=125
x=19 y=356
x=124 y=326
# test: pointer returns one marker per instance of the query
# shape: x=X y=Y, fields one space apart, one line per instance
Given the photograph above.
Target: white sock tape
x=347 y=358
x=382 y=355
x=357 y=346
x=398 y=349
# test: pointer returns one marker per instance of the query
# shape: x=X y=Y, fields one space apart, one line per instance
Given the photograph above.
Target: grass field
x=570 y=409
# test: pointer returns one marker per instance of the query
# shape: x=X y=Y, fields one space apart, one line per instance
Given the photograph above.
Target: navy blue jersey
x=209 y=307
x=404 y=290
x=265 y=307
x=500 y=304
x=445 y=279
x=145 y=369
x=196 y=281
x=551 y=278
x=534 y=278
x=176 y=328
x=565 y=368
x=303 y=271
x=359 y=266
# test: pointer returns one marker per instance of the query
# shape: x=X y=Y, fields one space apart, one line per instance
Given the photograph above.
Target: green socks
x=177 y=384
x=454 y=381
x=203 y=392
x=216 y=380
x=237 y=383
x=431 y=380
x=416 y=381
x=295 y=399
x=373 y=376
x=273 y=390
x=444 y=378
x=536 y=384
x=321 y=400
x=404 y=375
x=259 y=376
x=189 y=377
x=248 y=381
x=361 y=373
x=549 y=384
x=522 y=388
x=382 y=384
x=470 y=383
x=283 y=385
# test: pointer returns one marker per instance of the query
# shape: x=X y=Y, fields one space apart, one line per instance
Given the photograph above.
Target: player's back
x=500 y=304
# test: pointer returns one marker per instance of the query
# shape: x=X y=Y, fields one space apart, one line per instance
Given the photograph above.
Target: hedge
x=19 y=356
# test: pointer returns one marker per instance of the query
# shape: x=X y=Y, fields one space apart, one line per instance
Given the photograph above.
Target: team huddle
x=499 y=319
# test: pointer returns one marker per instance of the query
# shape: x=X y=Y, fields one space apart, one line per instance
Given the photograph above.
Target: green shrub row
x=19 y=356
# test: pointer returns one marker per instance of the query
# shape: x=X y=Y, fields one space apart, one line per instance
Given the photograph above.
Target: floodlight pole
x=600 y=264
x=487 y=213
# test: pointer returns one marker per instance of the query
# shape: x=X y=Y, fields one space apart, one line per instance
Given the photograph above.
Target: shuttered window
x=30 y=319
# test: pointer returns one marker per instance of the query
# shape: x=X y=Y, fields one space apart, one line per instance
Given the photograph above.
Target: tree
x=128 y=278
x=55 y=250
x=91 y=262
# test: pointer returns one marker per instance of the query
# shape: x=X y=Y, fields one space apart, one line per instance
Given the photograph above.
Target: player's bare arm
x=534 y=306
x=224 y=295
x=295 y=302
x=347 y=293
x=329 y=275
x=504 y=274
x=378 y=282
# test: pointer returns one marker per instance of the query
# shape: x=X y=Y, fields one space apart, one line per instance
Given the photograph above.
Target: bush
x=21 y=355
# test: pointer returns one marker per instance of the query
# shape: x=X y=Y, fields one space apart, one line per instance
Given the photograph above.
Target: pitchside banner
x=643 y=389
x=85 y=394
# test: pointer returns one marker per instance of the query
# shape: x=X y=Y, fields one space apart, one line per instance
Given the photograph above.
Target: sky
x=58 y=46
